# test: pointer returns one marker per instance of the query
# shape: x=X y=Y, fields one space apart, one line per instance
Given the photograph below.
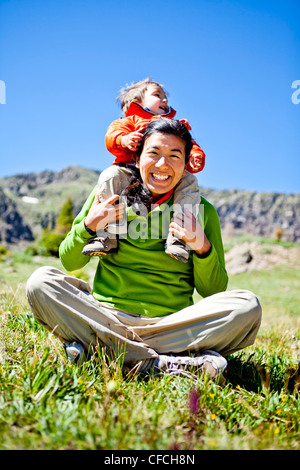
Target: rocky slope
x=257 y=213
x=31 y=202
x=253 y=256
x=13 y=228
x=37 y=198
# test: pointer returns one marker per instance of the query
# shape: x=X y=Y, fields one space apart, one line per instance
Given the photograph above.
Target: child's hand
x=196 y=162
x=132 y=140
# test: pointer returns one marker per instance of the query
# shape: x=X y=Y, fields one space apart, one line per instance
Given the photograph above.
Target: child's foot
x=177 y=249
x=100 y=246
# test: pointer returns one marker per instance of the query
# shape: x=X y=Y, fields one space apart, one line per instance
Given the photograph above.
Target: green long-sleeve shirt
x=141 y=278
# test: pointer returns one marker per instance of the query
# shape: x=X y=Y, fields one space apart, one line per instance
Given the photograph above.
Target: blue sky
x=228 y=66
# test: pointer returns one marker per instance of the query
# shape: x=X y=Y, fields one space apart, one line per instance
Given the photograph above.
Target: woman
x=142 y=300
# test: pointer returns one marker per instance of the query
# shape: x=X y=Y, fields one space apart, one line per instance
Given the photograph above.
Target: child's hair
x=135 y=91
x=170 y=127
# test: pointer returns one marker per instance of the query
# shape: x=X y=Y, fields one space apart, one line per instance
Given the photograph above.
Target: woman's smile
x=160 y=177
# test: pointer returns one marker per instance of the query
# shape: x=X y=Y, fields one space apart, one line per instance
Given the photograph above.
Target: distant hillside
x=39 y=197
x=257 y=213
x=31 y=202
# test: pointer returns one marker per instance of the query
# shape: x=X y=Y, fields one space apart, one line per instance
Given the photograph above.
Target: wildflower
x=194 y=401
x=112 y=386
x=213 y=416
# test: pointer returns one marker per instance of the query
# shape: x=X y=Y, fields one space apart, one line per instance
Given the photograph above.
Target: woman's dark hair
x=171 y=127
x=137 y=194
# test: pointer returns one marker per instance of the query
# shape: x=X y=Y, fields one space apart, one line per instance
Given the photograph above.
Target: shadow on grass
x=254 y=375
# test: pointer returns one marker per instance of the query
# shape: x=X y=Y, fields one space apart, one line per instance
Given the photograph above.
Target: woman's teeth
x=160 y=177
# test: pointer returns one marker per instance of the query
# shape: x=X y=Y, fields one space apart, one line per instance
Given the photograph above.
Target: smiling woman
x=141 y=304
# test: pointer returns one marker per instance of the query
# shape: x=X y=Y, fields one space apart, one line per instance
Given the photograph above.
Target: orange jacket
x=137 y=119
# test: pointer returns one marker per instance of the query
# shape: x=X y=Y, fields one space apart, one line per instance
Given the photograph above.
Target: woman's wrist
x=205 y=250
x=88 y=229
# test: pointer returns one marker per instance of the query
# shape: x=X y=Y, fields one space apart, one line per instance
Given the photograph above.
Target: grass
x=231 y=242
x=47 y=404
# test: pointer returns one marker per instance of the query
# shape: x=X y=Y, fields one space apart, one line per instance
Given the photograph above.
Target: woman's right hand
x=103 y=213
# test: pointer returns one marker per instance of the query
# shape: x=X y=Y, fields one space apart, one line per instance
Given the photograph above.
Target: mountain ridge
x=31 y=202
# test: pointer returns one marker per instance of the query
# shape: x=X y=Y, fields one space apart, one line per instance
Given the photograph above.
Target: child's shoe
x=177 y=249
x=99 y=246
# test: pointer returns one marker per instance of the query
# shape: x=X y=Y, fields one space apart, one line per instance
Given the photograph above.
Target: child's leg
x=111 y=181
x=186 y=196
x=114 y=180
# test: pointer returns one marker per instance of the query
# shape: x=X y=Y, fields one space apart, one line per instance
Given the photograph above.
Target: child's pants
x=225 y=322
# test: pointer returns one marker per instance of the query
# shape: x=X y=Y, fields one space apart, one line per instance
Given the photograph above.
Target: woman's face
x=162 y=163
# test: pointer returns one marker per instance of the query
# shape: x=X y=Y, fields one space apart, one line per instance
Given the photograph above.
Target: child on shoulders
x=142 y=102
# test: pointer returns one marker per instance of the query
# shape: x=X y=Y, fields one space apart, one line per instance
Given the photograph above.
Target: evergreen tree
x=50 y=240
x=65 y=218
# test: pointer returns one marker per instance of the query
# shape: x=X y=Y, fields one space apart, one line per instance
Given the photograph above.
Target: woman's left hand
x=187 y=228
x=103 y=213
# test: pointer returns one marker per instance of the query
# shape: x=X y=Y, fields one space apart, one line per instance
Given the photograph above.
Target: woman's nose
x=162 y=162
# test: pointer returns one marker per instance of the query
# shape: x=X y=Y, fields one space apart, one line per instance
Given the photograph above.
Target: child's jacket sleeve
x=114 y=134
x=197 y=157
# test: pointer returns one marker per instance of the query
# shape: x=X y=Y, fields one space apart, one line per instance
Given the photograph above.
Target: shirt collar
x=164 y=197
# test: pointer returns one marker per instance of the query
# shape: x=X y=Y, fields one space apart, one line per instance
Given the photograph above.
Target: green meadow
x=47 y=404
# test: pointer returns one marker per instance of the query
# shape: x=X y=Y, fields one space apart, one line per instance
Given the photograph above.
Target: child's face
x=156 y=100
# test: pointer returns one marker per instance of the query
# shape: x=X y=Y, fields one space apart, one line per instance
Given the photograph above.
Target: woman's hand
x=103 y=213
x=187 y=228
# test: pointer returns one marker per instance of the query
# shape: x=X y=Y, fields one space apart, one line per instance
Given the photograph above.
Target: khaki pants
x=225 y=322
